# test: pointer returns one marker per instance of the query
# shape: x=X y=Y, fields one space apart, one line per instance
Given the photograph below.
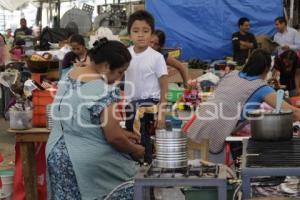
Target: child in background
x=17 y=52
x=157 y=43
x=146 y=80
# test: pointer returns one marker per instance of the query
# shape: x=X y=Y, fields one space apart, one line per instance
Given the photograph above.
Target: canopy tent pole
x=291 y=20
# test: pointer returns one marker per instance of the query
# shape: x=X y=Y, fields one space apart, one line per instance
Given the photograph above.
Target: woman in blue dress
x=88 y=153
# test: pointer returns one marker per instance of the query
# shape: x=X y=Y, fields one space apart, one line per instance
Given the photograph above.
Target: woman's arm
x=180 y=67
x=118 y=137
x=271 y=100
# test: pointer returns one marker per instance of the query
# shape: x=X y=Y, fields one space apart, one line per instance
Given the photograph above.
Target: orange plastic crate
x=39 y=120
x=40 y=99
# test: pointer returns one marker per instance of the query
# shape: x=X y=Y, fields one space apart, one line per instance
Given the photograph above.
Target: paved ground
x=7 y=145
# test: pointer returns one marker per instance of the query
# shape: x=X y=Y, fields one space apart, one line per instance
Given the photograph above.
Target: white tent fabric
x=12 y=5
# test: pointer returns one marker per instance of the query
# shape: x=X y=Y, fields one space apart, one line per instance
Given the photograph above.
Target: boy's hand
x=160 y=124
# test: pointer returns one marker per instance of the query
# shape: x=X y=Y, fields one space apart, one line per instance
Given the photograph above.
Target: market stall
x=178 y=158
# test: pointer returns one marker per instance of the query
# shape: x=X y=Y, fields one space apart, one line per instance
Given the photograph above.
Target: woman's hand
x=134 y=138
x=79 y=63
x=139 y=152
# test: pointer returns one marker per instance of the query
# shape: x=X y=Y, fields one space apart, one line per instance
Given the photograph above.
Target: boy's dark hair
x=113 y=52
x=77 y=38
x=281 y=20
x=242 y=20
x=258 y=63
x=161 y=37
x=141 y=15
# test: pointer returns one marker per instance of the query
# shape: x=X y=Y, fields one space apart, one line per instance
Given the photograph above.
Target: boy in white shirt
x=146 y=81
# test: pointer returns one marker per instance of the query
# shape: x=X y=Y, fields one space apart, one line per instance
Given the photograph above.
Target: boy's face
x=140 y=33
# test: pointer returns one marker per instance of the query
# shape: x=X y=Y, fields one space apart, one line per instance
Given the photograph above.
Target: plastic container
x=20 y=120
x=40 y=99
x=39 y=120
x=7 y=184
x=174 y=94
x=174 y=122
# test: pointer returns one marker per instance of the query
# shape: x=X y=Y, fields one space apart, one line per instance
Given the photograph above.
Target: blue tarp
x=203 y=28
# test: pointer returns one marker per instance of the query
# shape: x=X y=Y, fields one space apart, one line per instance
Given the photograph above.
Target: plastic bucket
x=7 y=184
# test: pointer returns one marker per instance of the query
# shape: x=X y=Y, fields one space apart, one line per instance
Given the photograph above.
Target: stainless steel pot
x=271 y=126
x=171 y=149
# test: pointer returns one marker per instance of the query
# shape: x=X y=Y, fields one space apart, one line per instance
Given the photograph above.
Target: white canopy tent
x=13 y=5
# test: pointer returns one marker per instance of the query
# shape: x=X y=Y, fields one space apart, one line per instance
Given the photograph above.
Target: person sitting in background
x=286 y=37
x=288 y=65
x=157 y=43
x=78 y=53
x=236 y=94
x=17 y=52
x=243 y=42
x=88 y=154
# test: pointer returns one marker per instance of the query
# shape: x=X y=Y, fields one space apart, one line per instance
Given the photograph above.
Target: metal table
x=141 y=182
x=269 y=159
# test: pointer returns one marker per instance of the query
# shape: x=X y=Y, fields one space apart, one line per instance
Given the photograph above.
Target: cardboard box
x=175 y=77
